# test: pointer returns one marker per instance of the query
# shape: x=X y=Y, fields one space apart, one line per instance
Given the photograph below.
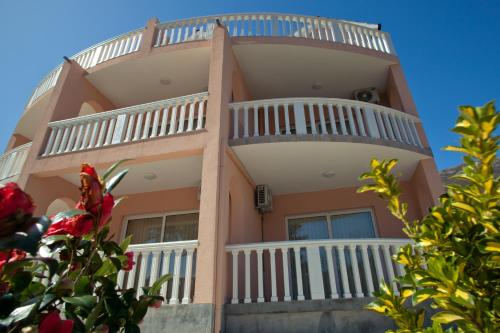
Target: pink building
x=247 y=134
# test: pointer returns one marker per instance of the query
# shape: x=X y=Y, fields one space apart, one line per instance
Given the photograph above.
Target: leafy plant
x=73 y=267
x=454 y=262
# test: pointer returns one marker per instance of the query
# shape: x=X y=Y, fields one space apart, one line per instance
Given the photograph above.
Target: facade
x=209 y=108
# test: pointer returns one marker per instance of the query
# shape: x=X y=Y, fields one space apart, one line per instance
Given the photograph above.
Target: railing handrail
x=192 y=244
x=128 y=109
x=107 y=41
x=361 y=24
x=292 y=100
x=18 y=148
x=317 y=242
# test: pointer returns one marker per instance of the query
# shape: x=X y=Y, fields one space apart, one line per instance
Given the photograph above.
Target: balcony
x=132 y=124
x=12 y=162
x=362 y=35
x=311 y=270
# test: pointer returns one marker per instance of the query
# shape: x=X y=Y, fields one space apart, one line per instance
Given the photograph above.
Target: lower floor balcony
x=12 y=162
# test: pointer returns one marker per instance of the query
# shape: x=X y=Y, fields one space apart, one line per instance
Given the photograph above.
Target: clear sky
x=449 y=49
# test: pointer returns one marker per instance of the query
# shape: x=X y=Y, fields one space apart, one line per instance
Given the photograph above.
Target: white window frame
x=127 y=218
x=328 y=215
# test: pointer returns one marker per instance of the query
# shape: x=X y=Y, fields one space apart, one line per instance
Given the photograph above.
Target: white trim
x=328 y=215
x=127 y=218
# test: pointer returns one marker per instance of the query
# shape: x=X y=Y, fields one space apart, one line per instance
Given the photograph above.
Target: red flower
x=91 y=189
x=77 y=226
x=4 y=257
x=13 y=200
x=11 y=256
x=52 y=323
x=130 y=261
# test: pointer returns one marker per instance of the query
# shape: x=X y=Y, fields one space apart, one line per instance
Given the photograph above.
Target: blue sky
x=449 y=49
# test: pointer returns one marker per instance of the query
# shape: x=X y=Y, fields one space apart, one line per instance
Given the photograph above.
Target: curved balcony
x=238 y=25
x=12 y=162
x=324 y=118
x=131 y=124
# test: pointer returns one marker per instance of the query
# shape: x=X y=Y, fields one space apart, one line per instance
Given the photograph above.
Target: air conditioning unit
x=263 y=198
x=369 y=95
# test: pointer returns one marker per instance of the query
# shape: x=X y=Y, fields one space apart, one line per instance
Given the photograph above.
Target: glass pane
x=147 y=230
x=181 y=227
x=354 y=225
x=308 y=228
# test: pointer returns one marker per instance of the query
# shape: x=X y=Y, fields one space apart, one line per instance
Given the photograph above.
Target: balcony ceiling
x=277 y=70
x=137 y=81
x=170 y=174
x=295 y=167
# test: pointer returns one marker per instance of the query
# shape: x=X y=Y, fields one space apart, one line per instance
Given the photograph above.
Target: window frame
x=328 y=215
x=127 y=218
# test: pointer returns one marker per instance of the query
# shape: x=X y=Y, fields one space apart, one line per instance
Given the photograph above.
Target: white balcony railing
x=140 y=122
x=277 y=25
x=316 y=269
x=154 y=260
x=322 y=116
x=11 y=163
x=94 y=55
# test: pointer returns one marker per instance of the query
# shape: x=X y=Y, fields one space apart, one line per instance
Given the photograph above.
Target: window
x=163 y=228
x=332 y=226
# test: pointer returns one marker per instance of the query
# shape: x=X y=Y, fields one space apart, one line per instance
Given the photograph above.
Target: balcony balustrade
x=154 y=260
x=238 y=25
x=131 y=124
x=315 y=269
x=12 y=162
x=92 y=56
x=276 y=25
x=322 y=116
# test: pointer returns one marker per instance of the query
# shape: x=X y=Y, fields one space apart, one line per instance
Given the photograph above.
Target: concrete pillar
x=214 y=199
x=70 y=92
x=427 y=185
x=148 y=37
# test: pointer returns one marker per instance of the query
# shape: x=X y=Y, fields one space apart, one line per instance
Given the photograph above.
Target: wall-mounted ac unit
x=369 y=95
x=263 y=198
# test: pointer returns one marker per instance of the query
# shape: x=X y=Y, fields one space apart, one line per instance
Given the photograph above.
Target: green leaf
x=422 y=295
x=107 y=268
x=82 y=286
x=92 y=317
x=446 y=317
x=115 y=181
x=132 y=328
x=155 y=288
x=21 y=313
x=86 y=302
x=140 y=310
x=112 y=168
x=125 y=243
x=20 y=281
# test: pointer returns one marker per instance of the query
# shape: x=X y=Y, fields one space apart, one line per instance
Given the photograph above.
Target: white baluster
x=201 y=111
x=402 y=129
x=331 y=272
x=147 y=122
x=408 y=131
x=390 y=269
x=164 y=121
x=235 y=298
x=85 y=137
x=111 y=128
x=130 y=127
x=312 y=121
x=286 y=278
x=340 y=109
x=352 y=126
x=155 y=263
x=102 y=132
x=173 y=121
x=255 y=120
x=378 y=263
x=388 y=126
x=191 y=116
x=50 y=142
x=177 y=274
x=248 y=298
x=359 y=118
x=236 y=111
x=64 y=141
x=138 y=127
x=395 y=127
x=260 y=277
x=154 y=131
x=272 y=254
x=298 y=269
x=381 y=126
x=276 y=120
x=182 y=118
x=245 y=121
x=165 y=270
x=266 y=120
x=71 y=139
x=355 y=271
x=131 y=273
x=415 y=134
x=93 y=137
x=287 y=120
x=333 y=122
x=367 y=269
x=142 y=273
x=120 y=278
x=76 y=146
x=322 y=121
x=343 y=272
x=187 y=277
